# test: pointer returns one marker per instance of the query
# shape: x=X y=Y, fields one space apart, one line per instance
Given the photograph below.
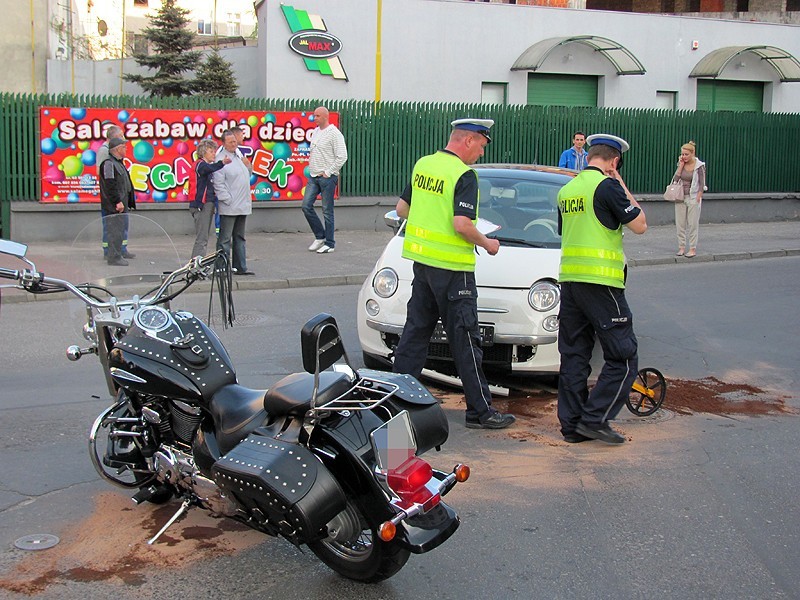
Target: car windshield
x=525 y=209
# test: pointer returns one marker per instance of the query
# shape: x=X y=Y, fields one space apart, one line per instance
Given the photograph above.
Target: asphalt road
x=699 y=506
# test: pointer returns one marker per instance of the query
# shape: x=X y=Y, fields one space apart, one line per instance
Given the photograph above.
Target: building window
x=204 y=27
x=666 y=100
x=792 y=5
x=234 y=24
x=493 y=93
x=137 y=43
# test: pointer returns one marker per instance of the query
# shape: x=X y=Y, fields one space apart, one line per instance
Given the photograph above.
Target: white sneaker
x=324 y=249
x=316 y=245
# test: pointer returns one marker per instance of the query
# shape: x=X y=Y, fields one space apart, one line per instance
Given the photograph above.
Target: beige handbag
x=674 y=192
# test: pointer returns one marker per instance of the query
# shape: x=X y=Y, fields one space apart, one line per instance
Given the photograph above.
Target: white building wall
x=441 y=50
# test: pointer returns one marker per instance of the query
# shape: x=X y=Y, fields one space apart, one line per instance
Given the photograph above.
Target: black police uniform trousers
x=587 y=311
x=453 y=297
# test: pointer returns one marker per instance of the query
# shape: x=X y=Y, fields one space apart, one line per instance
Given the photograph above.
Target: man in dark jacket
x=116 y=198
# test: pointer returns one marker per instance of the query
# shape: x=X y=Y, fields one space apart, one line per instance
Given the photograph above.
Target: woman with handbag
x=691 y=173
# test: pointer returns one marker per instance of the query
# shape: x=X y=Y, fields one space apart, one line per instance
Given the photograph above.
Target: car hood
x=511 y=267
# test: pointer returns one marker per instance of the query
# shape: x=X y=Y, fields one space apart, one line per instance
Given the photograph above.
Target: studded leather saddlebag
x=281 y=485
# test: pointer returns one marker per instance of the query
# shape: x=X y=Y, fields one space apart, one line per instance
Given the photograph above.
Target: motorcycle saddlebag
x=282 y=484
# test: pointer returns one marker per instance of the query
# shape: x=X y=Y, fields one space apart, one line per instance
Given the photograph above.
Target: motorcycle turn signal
x=387 y=531
x=461 y=472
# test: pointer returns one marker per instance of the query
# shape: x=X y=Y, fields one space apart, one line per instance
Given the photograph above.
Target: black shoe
x=127 y=254
x=575 y=438
x=496 y=421
x=118 y=262
x=604 y=433
x=238 y=272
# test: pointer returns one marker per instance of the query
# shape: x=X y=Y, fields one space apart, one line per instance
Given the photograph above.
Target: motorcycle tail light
x=462 y=473
x=409 y=481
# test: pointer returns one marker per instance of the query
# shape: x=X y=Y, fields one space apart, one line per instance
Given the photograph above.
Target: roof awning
x=713 y=63
x=618 y=55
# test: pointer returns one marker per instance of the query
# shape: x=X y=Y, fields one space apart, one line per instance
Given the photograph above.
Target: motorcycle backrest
x=320 y=343
x=13 y=248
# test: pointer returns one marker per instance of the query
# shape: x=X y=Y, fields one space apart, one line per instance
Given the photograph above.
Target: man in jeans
x=328 y=154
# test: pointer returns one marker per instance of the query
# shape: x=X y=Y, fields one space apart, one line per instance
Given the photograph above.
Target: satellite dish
x=102 y=27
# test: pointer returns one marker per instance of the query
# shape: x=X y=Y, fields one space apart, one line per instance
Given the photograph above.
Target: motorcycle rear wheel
x=364 y=557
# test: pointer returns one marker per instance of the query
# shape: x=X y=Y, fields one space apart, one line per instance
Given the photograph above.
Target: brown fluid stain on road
x=111 y=545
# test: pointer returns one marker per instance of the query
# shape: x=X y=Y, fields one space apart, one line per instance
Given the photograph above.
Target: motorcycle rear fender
x=351 y=463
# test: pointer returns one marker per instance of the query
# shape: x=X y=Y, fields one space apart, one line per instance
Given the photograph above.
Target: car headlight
x=385 y=282
x=544 y=296
x=550 y=323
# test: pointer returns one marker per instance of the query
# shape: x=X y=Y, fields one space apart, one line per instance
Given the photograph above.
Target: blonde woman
x=691 y=172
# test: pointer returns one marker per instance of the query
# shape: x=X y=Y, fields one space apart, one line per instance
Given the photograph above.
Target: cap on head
x=606 y=139
x=116 y=142
x=477 y=125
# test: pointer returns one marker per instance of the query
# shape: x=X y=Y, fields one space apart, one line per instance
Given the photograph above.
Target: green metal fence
x=745 y=152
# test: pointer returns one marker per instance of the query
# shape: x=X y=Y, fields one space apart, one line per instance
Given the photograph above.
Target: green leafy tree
x=215 y=77
x=172 y=56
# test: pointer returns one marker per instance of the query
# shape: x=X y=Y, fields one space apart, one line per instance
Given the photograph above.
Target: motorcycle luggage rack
x=321 y=346
x=368 y=396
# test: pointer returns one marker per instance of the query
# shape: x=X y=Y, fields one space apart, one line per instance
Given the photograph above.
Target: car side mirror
x=393 y=220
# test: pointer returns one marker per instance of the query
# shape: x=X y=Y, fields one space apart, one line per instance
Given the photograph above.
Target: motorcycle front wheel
x=356 y=551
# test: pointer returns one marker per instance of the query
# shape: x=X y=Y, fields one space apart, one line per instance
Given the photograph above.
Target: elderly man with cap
x=116 y=198
x=440 y=238
x=112 y=132
x=593 y=207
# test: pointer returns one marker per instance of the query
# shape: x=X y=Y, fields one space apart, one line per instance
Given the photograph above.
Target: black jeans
x=587 y=311
x=453 y=297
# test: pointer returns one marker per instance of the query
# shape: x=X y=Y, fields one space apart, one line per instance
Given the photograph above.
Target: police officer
x=440 y=238
x=592 y=209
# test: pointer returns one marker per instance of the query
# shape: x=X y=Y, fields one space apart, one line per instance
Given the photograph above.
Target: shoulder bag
x=674 y=191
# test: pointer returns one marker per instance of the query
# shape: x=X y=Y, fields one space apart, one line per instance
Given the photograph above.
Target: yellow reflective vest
x=430 y=237
x=590 y=251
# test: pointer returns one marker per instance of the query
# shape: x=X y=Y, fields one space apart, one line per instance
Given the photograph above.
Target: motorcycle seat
x=292 y=394
x=236 y=411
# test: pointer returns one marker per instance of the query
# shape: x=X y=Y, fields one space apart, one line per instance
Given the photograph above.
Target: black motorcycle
x=328 y=457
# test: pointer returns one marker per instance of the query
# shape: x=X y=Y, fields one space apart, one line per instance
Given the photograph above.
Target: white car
x=518 y=293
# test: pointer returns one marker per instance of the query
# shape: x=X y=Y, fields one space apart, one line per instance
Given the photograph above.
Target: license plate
x=487 y=334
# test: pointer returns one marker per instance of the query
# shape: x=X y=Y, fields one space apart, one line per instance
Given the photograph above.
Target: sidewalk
x=282 y=260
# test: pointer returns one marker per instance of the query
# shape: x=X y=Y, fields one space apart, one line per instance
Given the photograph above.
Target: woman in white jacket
x=691 y=173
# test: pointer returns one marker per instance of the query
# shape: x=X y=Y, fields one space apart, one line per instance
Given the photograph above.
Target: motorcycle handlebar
x=32 y=281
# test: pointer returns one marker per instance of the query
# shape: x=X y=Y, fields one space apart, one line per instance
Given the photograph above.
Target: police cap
x=606 y=139
x=477 y=125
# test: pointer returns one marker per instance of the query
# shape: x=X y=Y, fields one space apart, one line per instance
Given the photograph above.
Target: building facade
x=455 y=51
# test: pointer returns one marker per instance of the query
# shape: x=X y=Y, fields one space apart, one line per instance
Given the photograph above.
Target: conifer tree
x=215 y=77
x=171 y=42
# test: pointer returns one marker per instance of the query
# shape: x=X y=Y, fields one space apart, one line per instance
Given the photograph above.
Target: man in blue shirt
x=575 y=157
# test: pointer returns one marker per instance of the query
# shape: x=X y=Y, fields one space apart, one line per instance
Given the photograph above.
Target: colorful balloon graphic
x=282 y=150
x=89 y=158
x=182 y=148
x=294 y=183
x=123 y=116
x=72 y=166
x=143 y=151
x=48 y=146
x=252 y=120
x=73 y=197
x=77 y=113
x=263 y=191
x=54 y=175
x=56 y=137
x=159 y=196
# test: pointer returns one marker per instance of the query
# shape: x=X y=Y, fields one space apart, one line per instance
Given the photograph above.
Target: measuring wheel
x=647 y=393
